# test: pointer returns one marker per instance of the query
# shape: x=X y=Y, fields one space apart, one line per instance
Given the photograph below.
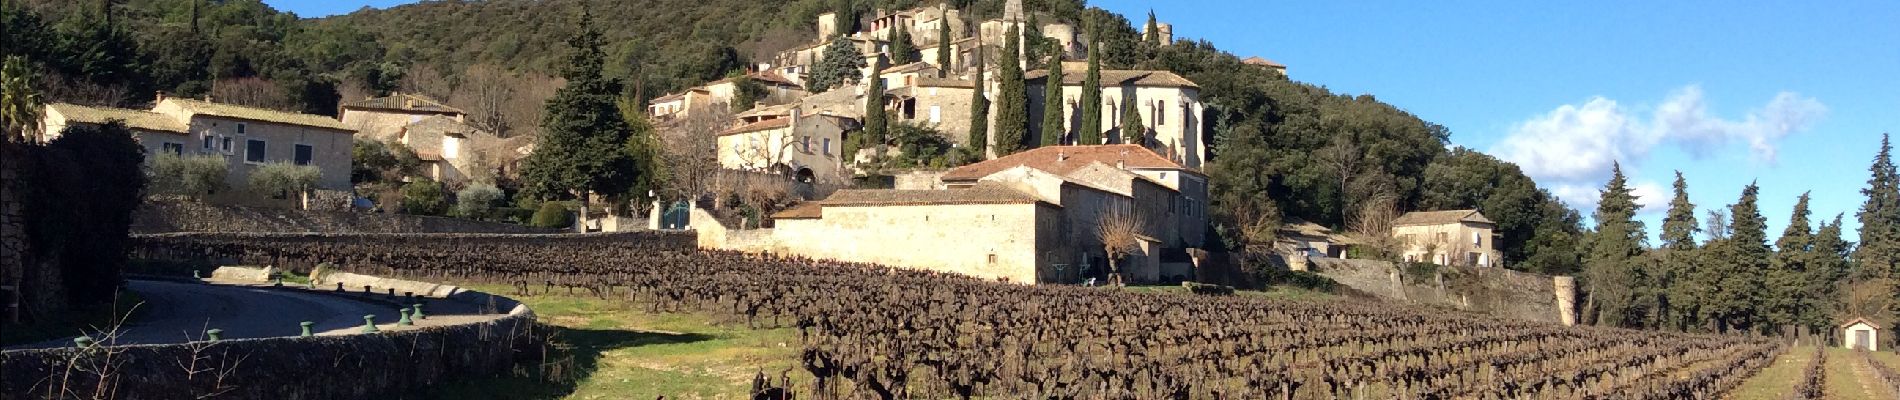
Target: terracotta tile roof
x=1441 y=217
x=258 y=114
x=443 y=125
x=428 y=156
x=805 y=210
x=1073 y=74
x=946 y=82
x=1061 y=160
x=135 y=119
x=773 y=77
x=1257 y=60
x=1877 y=325
x=919 y=66
x=979 y=194
x=403 y=102
x=774 y=123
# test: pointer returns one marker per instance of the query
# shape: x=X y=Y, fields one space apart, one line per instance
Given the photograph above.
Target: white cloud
x=1571 y=149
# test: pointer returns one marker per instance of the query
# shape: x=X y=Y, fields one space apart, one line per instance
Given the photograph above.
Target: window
x=936 y=114
x=177 y=149
x=827 y=146
x=303 y=155
x=211 y=142
x=240 y=128
x=1161 y=112
x=1443 y=237
x=227 y=144
x=254 y=151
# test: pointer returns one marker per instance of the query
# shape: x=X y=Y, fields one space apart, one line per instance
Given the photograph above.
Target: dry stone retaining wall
x=1496 y=291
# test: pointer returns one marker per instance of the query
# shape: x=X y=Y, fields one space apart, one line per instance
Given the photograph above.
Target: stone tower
x=1013 y=15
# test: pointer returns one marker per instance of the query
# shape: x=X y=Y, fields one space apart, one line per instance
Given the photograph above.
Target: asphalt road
x=176 y=312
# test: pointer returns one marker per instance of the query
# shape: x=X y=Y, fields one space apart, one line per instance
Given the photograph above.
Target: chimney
x=160 y=97
x=1122 y=163
x=1062 y=155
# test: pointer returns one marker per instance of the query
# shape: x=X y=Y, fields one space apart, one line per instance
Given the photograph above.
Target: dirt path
x=1850 y=377
x=1869 y=380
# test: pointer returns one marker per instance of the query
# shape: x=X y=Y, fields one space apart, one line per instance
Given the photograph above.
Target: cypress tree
x=1787 y=278
x=876 y=129
x=979 y=112
x=1880 y=217
x=1133 y=130
x=1149 y=35
x=1613 y=281
x=1680 y=283
x=1052 y=101
x=1741 y=259
x=1827 y=270
x=943 y=44
x=1089 y=128
x=582 y=147
x=1012 y=114
x=902 y=50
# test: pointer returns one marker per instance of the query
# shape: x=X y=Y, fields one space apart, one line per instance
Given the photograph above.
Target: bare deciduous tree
x=254 y=92
x=690 y=148
x=1119 y=232
x=486 y=93
x=1371 y=225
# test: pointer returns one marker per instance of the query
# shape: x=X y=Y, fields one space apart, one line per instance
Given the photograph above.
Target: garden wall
x=187 y=216
x=396 y=364
x=1495 y=291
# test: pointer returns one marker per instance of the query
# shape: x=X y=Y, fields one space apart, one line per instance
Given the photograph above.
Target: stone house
x=1170 y=107
x=808 y=147
x=1860 y=333
x=1257 y=61
x=383 y=118
x=456 y=152
x=721 y=92
x=246 y=137
x=942 y=104
x=1186 y=209
x=1460 y=237
x=988 y=231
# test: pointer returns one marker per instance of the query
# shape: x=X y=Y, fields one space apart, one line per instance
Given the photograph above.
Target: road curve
x=175 y=312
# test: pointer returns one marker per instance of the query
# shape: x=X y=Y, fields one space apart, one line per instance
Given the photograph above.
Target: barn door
x=1861 y=341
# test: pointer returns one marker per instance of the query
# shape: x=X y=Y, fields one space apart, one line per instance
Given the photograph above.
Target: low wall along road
x=260 y=352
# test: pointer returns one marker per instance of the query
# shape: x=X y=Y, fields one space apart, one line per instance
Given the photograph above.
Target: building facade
x=1452 y=237
x=383 y=118
x=246 y=137
x=1169 y=105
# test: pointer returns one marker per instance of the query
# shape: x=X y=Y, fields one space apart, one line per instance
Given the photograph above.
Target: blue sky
x=1790 y=95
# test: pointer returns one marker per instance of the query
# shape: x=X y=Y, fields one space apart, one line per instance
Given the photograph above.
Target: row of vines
x=870 y=331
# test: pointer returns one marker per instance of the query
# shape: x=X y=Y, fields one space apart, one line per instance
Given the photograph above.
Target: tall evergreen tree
x=1827 y=272
x=1149 y=33
x=1133 y=130
x=1012 y=105
x=1680 y=283
x=840 y=66
x=876 y=128
x=1740 y=260
x=902 y=50
x=979 y=112
x=1052 y=103
x=943 y=46
x=1787 y=277
x=1615 y=283
x=582 y=148
x=1088 y=131
x=1878 y=255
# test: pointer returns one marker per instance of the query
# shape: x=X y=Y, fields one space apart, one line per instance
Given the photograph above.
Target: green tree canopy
x=1052 y=104
x=582 y=148
x=1012 y=103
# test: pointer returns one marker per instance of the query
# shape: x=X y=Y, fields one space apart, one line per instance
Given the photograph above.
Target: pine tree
x=1052 y=103
x=1740 y=261
x=979 y=112
x=1614 y=282
x=1133 y=130
x=902 y=50
x=1089 y=128
x=1827 y=271
x=1012 y=108
x=1787 y=278
x=840 y=65
x=943 y=45
x=876 y=129
x=582 y=147
x=1878 y=255
x=1680 y=283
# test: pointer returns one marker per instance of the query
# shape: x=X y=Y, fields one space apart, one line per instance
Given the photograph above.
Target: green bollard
x=83 y=341
x=214 y=334
x=405 y=321
x=369 y=323
x=306 y=327
x=418 y=308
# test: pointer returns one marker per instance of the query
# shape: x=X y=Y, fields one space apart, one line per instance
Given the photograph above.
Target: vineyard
x=869 y=331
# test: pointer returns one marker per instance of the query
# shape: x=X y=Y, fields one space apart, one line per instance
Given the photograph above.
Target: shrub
x=477 y=200
x=552 y=215
x=280 y=179
x=424 y=197
x=194 y=176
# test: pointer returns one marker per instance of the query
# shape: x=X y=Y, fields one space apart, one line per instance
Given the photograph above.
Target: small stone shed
x=1860 y=333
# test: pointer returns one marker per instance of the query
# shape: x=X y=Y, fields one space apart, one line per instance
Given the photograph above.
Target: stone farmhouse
x=788 y=141
x=1170 y=107
x=1257 y=61
x=453 y=150
x=683 y=104
x=1451 y=237
x=246 y=137
x=1031 y=217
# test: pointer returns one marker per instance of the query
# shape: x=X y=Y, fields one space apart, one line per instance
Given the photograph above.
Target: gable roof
x=1441 y=218
x=1074 y=73
x=258 y=114
x=1061 y=160
x=805 y=210
x=979 y=194
x=919 y=66
x=1863 y=320
x=135 y=119
x=769 y=124
x=407 y=102
x=443 y=125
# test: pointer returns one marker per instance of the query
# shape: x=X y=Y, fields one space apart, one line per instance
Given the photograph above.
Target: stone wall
x=398 y=364
x=187 y=216
x=1496 y=291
